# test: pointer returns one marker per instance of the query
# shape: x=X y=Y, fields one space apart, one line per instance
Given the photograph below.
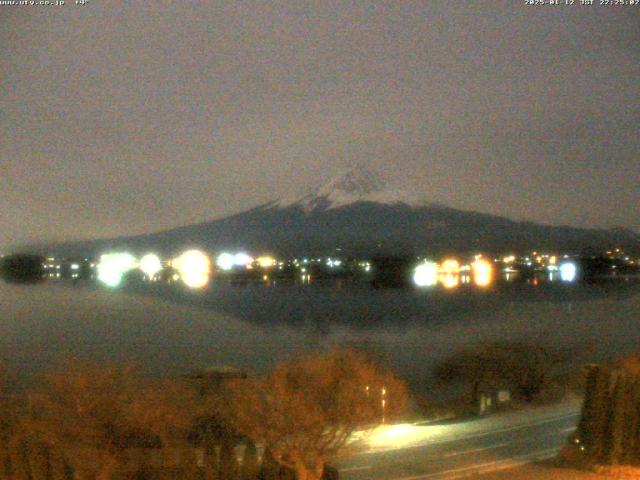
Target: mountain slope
x=362 y=215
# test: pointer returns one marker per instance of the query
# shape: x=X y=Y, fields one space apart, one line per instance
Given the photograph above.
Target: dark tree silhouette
x=22 y=268
x=609 y=429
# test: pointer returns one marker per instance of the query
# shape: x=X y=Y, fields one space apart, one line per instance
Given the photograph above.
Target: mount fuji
x=359 y=214
x=356 y=185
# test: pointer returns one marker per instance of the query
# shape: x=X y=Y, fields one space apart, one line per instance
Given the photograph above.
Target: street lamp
x=384 y=403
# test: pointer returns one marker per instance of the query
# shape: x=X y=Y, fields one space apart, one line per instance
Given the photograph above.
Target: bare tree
x=97 y=416
x=307 y=410
x=82 y=412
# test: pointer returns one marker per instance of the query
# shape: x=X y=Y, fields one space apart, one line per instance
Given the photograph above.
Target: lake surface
x=170 y=330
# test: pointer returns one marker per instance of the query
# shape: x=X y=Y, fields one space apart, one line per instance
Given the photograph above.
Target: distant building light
x=426 y=274
x=450 y=266
x=242 y=259
x=450 y=280
x=266 y=261
x=482 y=273
x=150 y=265
x=225 y=261
x=113 y=266
x=568 y=271
x=194 y=267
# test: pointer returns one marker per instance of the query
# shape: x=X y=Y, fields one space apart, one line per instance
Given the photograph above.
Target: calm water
x=171 y=330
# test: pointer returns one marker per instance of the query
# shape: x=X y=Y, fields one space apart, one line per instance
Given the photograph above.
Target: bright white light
x=113 y=266
x=75 y=266
x=426 y=274
x=225 y=261
x=194 y=267
x=150 y=265
x=394 y=437
x=568 y=271
x=242 y=259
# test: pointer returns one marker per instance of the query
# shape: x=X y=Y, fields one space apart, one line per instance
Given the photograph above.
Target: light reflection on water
x=171 y=330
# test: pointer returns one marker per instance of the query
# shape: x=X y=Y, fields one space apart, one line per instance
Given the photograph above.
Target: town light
x=113 y=266
x=150 y=265
x=450 y=270
x=450 y=266
x=225 y=261
x=568 y=271
x=426 y=274
x=194 y=267
x=450 y=280
x=242 y=259
x=266 y=261
x=482 y=272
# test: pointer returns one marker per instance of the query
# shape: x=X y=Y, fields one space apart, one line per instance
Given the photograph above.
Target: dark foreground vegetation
x=609 y=430
x=607 y=440
x=22 y=268
x=499 y=375
x=96 y=423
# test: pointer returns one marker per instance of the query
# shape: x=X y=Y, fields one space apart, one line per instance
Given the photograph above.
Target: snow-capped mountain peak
x=357 y=181
x=358 y=184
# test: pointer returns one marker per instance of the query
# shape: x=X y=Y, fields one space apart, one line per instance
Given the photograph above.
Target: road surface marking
x=474 y=450
x=570 y=429
x=482 y=468
x=355 y=469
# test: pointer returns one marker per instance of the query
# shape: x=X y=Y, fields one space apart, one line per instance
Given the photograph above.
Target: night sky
x=121 y=119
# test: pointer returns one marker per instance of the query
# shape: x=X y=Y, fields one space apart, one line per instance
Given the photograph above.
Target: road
x=462 y=449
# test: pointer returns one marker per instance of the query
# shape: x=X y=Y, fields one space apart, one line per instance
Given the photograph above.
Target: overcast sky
x=128 y=117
